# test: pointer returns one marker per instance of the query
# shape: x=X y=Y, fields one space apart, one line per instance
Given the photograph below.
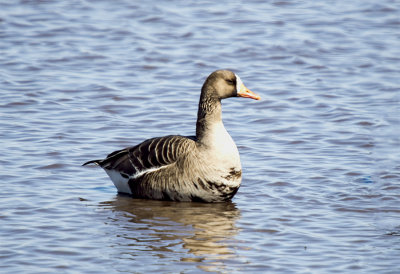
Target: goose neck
x=209 y=115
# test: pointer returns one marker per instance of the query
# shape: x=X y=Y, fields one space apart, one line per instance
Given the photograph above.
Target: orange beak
x=246 y=93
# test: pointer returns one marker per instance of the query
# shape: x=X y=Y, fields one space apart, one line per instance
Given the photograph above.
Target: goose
x=201 y=168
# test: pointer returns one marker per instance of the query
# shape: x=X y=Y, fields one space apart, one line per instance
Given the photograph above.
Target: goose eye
x=230 y=82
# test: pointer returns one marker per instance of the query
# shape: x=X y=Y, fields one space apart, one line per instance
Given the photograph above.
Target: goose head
x=223 y=84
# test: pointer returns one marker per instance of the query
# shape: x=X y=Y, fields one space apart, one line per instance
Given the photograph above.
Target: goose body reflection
x=202 y=229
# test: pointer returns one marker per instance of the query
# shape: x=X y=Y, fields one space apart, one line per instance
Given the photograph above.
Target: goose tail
x=97 y=162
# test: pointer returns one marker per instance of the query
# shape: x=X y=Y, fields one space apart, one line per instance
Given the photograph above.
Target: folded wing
x=151 y=154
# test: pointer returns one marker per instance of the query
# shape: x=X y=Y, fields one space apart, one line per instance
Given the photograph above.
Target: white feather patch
x=120 y=182
x=152 y=169
x=239 y=83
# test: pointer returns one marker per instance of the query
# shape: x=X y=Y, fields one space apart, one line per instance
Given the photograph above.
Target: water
x=320 y=152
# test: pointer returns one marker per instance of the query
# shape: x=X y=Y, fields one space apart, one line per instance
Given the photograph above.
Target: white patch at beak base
x=239 y=83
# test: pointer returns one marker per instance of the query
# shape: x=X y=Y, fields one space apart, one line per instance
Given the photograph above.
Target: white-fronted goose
x=205 y=167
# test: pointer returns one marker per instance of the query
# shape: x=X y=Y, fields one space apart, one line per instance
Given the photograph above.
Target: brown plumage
x=205 y=167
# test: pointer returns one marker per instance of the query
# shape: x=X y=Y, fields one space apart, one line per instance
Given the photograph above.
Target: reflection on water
x=203 y=231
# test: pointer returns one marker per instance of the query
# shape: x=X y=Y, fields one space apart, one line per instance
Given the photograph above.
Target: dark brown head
x=223 y=84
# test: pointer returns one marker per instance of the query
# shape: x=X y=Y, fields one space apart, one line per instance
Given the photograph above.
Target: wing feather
x=152 y=153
